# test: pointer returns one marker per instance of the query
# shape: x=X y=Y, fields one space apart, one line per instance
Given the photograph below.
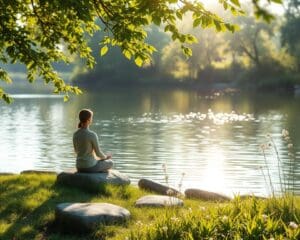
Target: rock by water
x=157 y=188
x=82 y=217
x=92 y=181
x=158 y=201
x=205 y=195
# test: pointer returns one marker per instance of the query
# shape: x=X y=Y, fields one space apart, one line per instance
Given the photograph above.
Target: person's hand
x=108 y=156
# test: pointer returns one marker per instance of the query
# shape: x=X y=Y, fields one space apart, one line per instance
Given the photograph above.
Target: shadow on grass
x=28 y=205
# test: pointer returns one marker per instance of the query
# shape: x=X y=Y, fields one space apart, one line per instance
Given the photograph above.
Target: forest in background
x=258 y=56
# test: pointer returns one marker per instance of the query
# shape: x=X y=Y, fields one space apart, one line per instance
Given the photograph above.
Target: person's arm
x=97 y=149
x=74 y=144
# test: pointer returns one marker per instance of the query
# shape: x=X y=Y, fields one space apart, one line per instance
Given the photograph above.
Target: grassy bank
x=28 y=203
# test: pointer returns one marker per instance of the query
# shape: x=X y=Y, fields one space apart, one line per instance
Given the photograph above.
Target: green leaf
x=156 y=20
x=179 y=15
x=103 y=50
x=236 y=2
x=127 y=54
x=225 y=5
x=217 y=25
x=191 y=39
x=66 y=98
x=138 y=61
x=187 y=51
x=197 y=22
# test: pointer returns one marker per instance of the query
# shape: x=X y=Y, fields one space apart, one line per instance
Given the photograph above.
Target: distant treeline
x=258 y=56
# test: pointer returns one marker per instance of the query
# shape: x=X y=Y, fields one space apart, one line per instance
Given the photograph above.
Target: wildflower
x=139 y=223
x=224 y=219
x=290 y=154
x=290 y=145
x=284 y=133
x=287 y=138
x=170 y=192
x=263 y=147
x=293 y=225
x=202 y=208
x=174 y=219
x=264 y=217
x=165 y=228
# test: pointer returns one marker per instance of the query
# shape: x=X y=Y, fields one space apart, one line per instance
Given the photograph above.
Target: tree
x=38 y=33
x=291 y=30
x=249 y=41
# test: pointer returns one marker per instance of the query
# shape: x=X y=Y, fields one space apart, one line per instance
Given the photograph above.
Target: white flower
x=170 y=192
x=165 y=228
x=202 y=208
x=264 y=217
x=293 y=225
x=284 y=133
x=290 y=145
x=224 y=219
x=263 y=147
x=175 y=219
x=139 y=223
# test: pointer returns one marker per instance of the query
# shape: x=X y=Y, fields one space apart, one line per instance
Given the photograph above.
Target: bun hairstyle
x=84 y=116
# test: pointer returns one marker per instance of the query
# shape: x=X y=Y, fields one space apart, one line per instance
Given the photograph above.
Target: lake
x=209 y=141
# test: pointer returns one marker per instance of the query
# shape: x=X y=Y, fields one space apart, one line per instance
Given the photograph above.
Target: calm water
x=214 y=140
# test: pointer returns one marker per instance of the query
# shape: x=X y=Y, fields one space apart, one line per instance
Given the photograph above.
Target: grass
x=28 y=203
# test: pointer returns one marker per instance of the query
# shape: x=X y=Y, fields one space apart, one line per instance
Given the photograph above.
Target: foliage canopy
x=38 y=33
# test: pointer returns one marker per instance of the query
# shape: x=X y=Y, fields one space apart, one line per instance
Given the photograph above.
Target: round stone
x=81 y=217
x=158 y=201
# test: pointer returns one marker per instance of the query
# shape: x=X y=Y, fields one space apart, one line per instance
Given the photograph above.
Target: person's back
x=83 y=140
x=89 y=156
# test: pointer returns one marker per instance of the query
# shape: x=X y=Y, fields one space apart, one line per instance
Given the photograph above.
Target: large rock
x=92 y=181
x=157 y=188
x=158 y=201
x=82 y=217
x=205 y=195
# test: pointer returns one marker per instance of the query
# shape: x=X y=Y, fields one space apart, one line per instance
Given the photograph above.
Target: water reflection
x=215 y=141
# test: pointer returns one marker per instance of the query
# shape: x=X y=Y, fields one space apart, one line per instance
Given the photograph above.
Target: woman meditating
x=90 y=158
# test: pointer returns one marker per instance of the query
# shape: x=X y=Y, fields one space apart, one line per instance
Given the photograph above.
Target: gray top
x=87 y=148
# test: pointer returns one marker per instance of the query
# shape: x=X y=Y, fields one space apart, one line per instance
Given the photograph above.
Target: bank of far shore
x=27 y=211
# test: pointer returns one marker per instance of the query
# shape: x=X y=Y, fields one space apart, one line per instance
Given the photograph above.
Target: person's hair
x=84 y=116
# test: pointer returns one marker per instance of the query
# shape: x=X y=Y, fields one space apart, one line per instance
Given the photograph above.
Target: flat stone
x=38 y=172
x=205 y=195
x=92 y=181
x=82 y=217
x=157 y=188
x=158 y=201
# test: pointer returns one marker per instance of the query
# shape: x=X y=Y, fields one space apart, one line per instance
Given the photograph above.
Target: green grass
x=27 y=204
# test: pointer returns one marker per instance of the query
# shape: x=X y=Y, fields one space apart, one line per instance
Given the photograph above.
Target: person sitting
x=90 y=158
